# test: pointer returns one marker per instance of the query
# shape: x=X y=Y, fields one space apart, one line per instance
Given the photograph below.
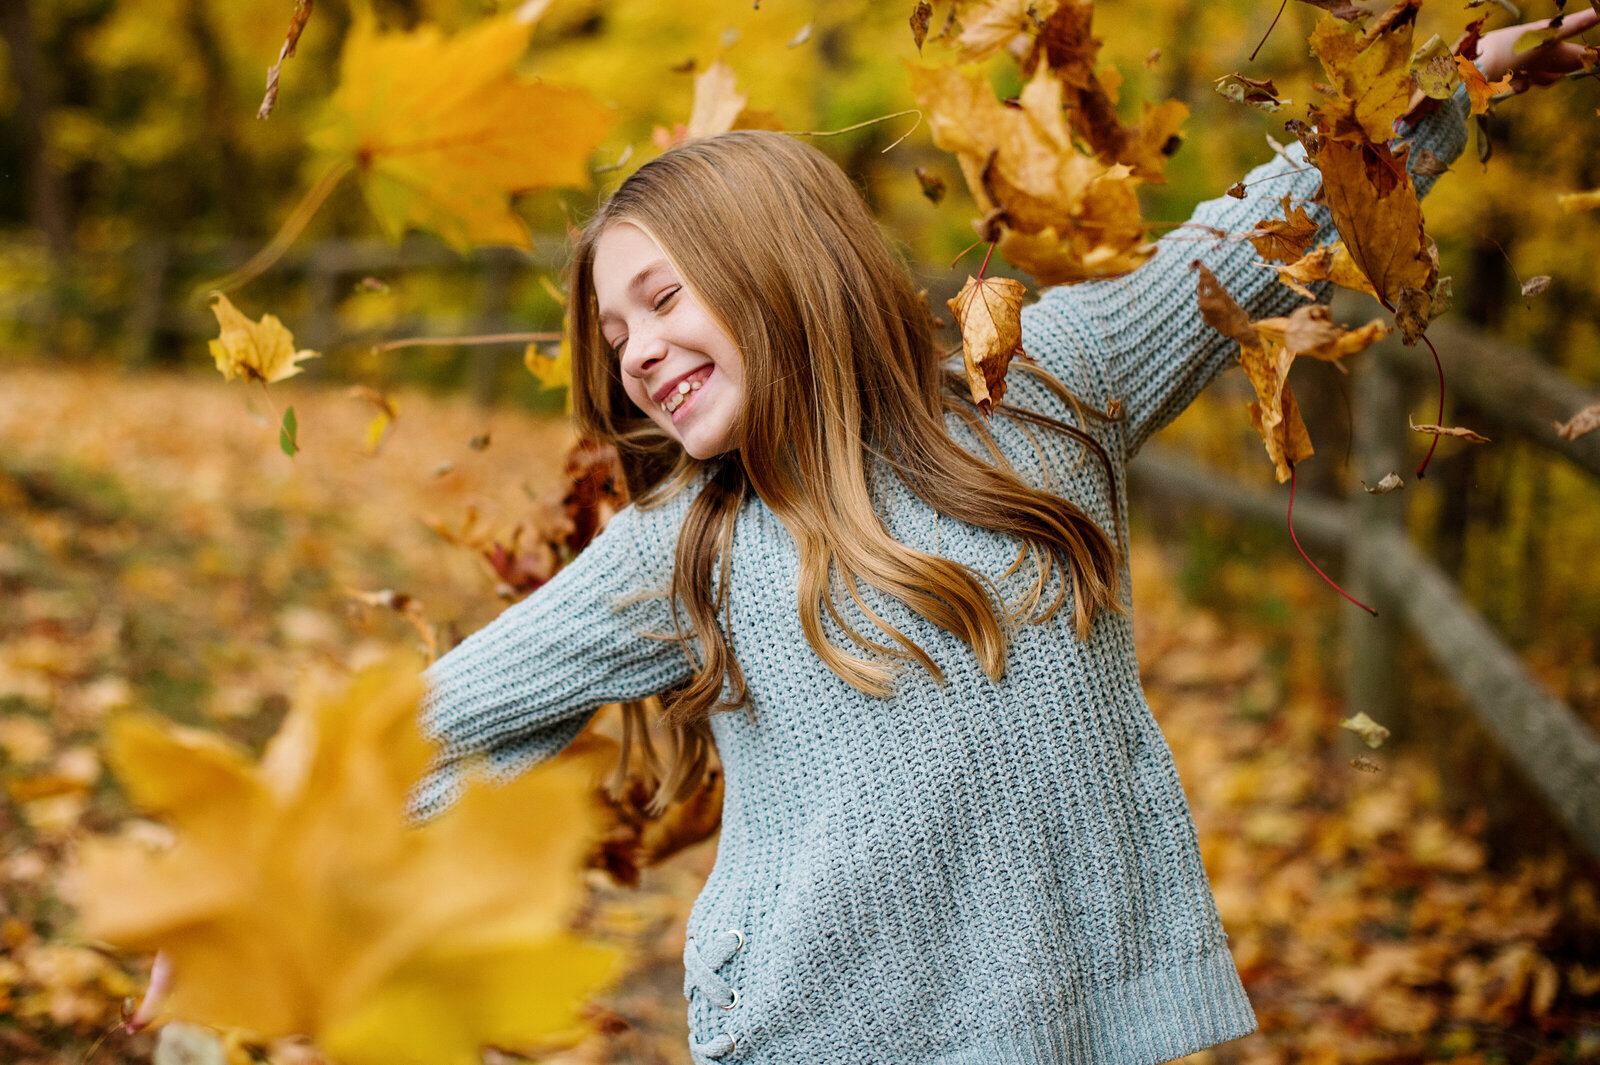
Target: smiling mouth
x=679 y=395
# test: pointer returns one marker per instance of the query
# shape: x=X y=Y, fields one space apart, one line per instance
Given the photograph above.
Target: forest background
x=160 y=552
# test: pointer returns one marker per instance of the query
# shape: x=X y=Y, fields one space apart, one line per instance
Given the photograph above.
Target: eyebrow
x=637 y=282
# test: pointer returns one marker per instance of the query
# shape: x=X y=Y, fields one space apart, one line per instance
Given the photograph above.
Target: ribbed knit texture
x=967 y=873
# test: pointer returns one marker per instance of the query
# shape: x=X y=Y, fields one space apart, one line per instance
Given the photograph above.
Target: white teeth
x=696 y=386
x=675 y=399
x=683 y=388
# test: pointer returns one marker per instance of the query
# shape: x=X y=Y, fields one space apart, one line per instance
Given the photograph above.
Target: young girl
x=952 y=831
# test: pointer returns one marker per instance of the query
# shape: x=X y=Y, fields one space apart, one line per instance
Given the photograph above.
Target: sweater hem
x=1156 y=1016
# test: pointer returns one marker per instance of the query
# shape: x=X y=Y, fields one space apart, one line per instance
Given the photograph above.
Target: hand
x=1541 y=65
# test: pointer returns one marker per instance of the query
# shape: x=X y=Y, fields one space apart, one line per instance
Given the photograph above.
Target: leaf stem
x=1422 y=470
x=985 y=265
x=471 y=341
x=1270 y=28
x=869 y=122
x=291 y=229
x=1296 y=541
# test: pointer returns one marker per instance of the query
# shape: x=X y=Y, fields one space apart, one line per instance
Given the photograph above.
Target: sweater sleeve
x=1156 y=353
x=519 y=690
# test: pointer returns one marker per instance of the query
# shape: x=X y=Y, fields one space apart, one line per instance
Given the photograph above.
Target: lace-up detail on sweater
x=701 y=960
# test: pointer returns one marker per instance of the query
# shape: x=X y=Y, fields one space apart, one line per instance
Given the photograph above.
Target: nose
x=645 y=348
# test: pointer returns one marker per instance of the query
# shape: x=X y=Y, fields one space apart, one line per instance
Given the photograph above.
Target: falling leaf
x=1237 y=190
x=1376 y=212
x=989 y=314
x=1455 y=430
x=1433 y=68
x=1425 y=164
x=1065 y=216
x=291 y=40
x=1443 y=298
x=298 y=900
x=921 y=15
x=1479 y=89
x=288 y=441
x=1219 y=310
x=1391 y=482
x=1579 y=201
x=479 y=442
x=443 y=131
x=387 y=414
x=1259 y=93
x=1312 y=333
x=1274 y=413
x=802 y=36
x=933 y=186
x=1365 y=765
x=717 y=102
x=551 y=371
x=1535 y=285
x=1330 y=262
x=1285 y=240
x=1369 y=75
x=1585 y=421
x=254 y=351
x=1371 y=733
x=990 y=25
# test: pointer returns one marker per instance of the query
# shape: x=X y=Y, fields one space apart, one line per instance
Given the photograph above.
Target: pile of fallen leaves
x=1367 y=923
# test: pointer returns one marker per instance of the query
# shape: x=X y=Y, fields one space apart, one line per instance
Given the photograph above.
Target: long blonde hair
x=840 y=368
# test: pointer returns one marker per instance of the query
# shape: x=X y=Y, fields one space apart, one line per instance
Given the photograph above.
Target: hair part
x=841 y=368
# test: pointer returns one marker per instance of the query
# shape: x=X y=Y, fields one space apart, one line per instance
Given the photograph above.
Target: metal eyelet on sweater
x=735 y=1001
x=740 y=935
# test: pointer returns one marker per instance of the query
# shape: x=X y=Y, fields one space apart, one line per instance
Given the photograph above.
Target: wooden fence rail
x=1556 y=752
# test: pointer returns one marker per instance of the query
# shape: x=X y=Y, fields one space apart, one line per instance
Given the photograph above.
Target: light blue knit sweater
x=967 y=873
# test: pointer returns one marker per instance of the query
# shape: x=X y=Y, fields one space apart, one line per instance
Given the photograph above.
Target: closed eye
x=666 y=297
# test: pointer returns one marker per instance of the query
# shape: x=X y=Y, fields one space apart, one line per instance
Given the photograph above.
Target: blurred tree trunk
x=220 y=127
x=47 y=202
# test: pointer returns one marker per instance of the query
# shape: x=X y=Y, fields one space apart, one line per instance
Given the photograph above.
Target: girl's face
x=678 y=365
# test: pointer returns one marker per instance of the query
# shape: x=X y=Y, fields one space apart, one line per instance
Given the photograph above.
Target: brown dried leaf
x=933 y=186
x=1390 y=482
x=717 y=102
x=1454 y=430
x=1585 y=421
x=1259 y=93
x=1535 y=285
x=1310 y=331
x=291 y=40
x=1237 y=190
x=1375 y=210
x=989 y=314
x=1285 y=239
x=1220 y=311
x=1425 y=164
x=921 y=15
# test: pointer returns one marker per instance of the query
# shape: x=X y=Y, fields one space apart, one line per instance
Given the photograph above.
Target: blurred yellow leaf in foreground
x=297 y=899
x=443 y=130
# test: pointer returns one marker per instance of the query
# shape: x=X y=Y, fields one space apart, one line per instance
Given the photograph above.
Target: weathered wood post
x=1378 y=438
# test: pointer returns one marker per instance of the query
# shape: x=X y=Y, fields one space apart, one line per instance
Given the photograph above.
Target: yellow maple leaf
x=989 y=315
x=1064 y=215
x=991 y=25
x=255 y=351
x=1285 y=239
x=1370 y=72
x=443 y=130
x=297 y=899
x=1330 y=262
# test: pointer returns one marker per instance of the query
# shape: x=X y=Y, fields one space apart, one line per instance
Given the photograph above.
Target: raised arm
x=517 y=691
x=1155 y=352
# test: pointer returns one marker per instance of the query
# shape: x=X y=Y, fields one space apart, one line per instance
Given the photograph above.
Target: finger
x=1578 y=22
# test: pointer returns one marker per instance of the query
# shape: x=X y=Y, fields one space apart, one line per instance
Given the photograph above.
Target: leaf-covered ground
x=158 y=551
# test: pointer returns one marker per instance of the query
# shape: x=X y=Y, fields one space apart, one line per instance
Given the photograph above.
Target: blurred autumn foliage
x=228 y=559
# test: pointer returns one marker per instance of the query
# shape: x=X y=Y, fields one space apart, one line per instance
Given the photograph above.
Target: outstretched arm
x=1144 y=330
x=517 y=691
